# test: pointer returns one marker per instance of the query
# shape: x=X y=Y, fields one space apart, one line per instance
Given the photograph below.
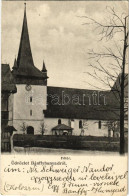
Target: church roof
x=25 y=61
x=84 y=108
x=7 y=80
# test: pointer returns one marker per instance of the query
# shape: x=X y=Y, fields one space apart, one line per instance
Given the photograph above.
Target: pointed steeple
x=15 y=64
x=44 y=68
x=25 y=59
x=26 y=72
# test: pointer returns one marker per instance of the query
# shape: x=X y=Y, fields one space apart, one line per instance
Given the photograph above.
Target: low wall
x=68 y=142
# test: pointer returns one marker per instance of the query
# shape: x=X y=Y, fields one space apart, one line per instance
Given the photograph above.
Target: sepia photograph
x=64 y=84
x=64 y=98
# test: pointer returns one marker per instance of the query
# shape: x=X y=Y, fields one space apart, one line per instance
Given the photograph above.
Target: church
x=36 y=108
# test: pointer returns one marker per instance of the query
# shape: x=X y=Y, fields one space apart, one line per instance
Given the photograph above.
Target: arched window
x=30 y=112
x=31 y=99
x=99 y=124
x=59 y=121
x=80 y=124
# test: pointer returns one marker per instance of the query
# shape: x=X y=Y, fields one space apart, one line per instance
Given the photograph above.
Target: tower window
x=59 y=121
x=30 y=112
x=80 y=124
x=99 y=124
x=30 y=99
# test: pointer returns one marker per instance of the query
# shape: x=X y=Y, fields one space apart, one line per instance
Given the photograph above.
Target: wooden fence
x=5 y=142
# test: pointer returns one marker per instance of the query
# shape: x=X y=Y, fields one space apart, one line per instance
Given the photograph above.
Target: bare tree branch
x=115 y=70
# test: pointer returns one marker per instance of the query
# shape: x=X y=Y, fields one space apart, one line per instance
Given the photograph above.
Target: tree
x=42 y=127
x=112 y=126
x=115 y=70
x=23 y=127
x=84 y=127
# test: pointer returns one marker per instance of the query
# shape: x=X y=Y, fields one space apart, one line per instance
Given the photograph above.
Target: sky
x=58 y=36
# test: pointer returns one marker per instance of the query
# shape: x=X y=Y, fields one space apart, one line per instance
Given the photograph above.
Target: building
x=8 y=88
x=41 y=109
x=86 y=111
x=31 y=84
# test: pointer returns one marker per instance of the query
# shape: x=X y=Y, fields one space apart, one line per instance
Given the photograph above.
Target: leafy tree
x=23 y=128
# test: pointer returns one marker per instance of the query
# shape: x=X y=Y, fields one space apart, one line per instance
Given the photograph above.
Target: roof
x=79 y=104
x=25 y=63
x=7 y=80
x=10 y=129
x=15 y=64
x=62 y=127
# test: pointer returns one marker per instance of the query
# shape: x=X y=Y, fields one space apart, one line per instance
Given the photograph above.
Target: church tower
x=30 y=100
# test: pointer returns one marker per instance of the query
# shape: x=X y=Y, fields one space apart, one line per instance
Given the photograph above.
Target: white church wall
x=23 y=107
x=18 y=124
x=91 y=129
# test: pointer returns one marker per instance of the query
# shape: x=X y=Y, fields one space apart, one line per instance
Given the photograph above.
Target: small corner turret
x=44 y=70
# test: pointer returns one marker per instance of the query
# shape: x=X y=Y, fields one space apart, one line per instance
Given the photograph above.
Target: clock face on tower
x=28 y=87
